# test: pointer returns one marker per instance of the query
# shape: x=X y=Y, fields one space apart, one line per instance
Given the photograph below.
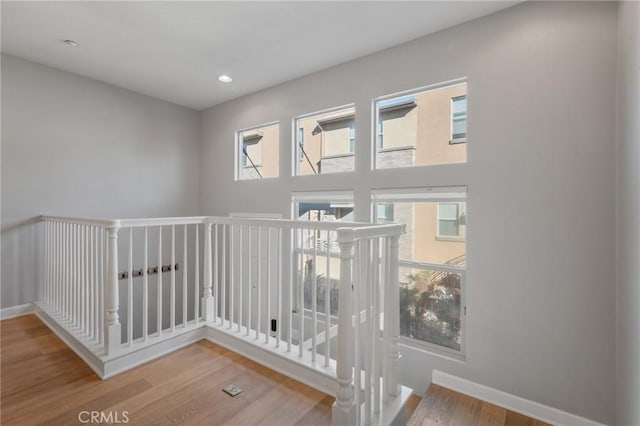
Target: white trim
x=16 y=311
x=91 y=359
x=323 y=196
x=511 y=402
x=450 y=194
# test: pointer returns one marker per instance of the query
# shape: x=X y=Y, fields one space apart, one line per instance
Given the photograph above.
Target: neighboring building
x=259 y=152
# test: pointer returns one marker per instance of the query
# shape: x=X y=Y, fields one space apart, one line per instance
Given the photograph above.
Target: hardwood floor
x=45 y=383
x=444 y=407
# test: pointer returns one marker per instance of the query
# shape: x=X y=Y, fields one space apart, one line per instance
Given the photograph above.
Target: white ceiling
x=176 y=50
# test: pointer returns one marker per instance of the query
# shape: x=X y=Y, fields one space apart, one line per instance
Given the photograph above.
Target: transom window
x=325 y=142
x=421 y=127
x=257 y=152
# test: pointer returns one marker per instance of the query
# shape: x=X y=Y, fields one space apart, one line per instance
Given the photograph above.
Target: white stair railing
x=321 y=294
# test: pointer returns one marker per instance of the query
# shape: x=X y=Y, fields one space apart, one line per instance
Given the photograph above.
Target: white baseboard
x=16 y=311
x=511 y=402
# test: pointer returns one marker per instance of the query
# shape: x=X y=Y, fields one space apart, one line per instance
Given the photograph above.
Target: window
x=421 y=127
x=328 y=145
x=330 y=206
x=432 y=269
x=450 y=220
x=459 y=119
x=257 y=152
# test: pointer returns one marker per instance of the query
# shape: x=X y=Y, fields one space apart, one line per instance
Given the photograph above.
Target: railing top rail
x=349 y=230
x=107 y=223
x=162 y=221
x=306 y=224
x=346 y=233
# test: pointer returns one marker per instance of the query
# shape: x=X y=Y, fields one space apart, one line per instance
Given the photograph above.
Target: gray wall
x=76 y=147
x=628 y=218
x=540 y=174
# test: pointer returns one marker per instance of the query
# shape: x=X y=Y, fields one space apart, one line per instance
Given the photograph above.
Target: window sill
x=432 y=349
x=346 y=154
x=457 y=141
x=450 y=239
x=396 y=148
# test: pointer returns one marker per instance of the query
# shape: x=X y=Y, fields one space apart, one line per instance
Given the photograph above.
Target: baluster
x=130 y=292
x=292 y=278
x=52 y=226
x=159 y=283
x=384 y=278
x=216 y=270
x=101 y=291
x=327 y=304
x=232 y=283
x=224 y=281
x=279 y=291
x=96 y=284
x=90 y=316
x=240 y=255
x=357 y=350
x=184 y=277
x=268 y=328
x=172 y=306
x=145 y=287
x=249 y=283
x=375 y=326
x=301 y=270
x=196 y=278
x=314 y=297
x=45 y=289
x=112 y=322
x=207 y=298
x=258 y=285
x=76 y=272
x=344 y=409
x=391 y=320
x=85 y=277
x=67 y=233
x=72 y=263
x=64 y=291
x=368 y=347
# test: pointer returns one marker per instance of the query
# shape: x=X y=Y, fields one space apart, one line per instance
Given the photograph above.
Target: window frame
x=456 y=194
x=239 y=151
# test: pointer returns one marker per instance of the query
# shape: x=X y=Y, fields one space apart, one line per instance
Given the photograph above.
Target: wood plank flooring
x=444 y=407
x=45 y=383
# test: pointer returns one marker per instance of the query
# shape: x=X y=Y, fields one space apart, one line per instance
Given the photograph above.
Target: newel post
x=392 y=320
x=207 y=297
x=112 y=298
x=344 y=408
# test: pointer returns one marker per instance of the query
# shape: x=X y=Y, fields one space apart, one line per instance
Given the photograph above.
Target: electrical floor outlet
x=232 y=390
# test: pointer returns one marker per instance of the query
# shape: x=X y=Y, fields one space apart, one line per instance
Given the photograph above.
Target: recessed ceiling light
x=225 y=78
x=70 y=43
